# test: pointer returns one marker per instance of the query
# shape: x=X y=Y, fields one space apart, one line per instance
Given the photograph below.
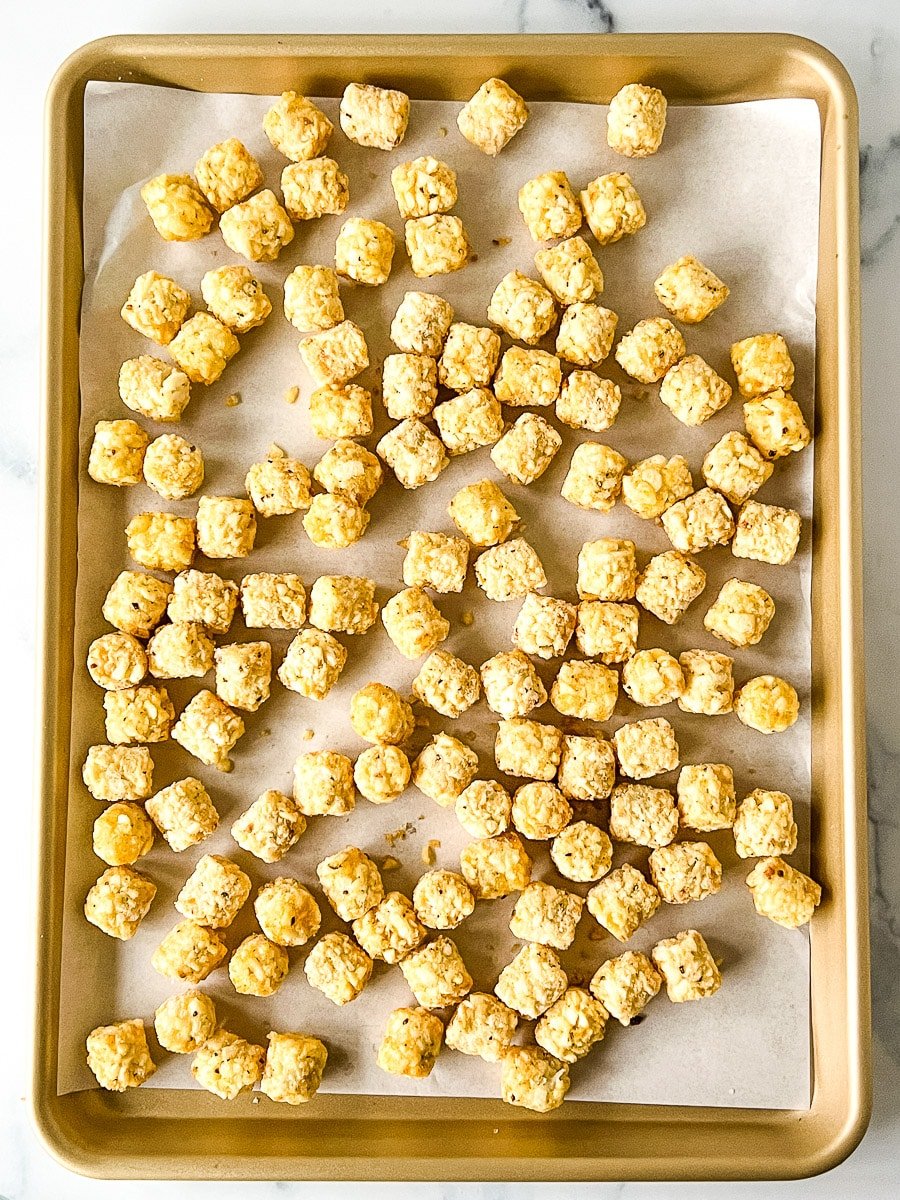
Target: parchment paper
x=735 y=185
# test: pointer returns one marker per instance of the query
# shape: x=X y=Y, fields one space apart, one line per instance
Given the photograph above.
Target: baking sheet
x=717 y=190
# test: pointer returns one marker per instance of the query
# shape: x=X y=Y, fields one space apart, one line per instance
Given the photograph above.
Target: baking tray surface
x=109 y=1135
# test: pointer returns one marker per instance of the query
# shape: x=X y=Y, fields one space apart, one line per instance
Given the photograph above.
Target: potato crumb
x=429 y=852
x=399 y=835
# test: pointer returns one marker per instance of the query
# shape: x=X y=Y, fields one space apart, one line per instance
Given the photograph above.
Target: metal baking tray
x=189 y=1134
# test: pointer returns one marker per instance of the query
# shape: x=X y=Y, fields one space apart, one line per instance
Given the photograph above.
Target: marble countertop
x=866 y=36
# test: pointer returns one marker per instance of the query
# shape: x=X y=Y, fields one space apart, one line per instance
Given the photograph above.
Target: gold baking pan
x=189 y=1134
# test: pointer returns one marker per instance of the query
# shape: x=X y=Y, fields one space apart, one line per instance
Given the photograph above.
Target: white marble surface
x=866 y=36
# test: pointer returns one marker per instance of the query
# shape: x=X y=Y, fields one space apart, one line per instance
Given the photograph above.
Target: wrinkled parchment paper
x=735 y=185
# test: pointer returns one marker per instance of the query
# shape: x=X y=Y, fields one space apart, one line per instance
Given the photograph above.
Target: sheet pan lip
x=846 y=1138
x=421 y=1170
x=42 y=1096
x=74 y=67
x=50 y=1124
